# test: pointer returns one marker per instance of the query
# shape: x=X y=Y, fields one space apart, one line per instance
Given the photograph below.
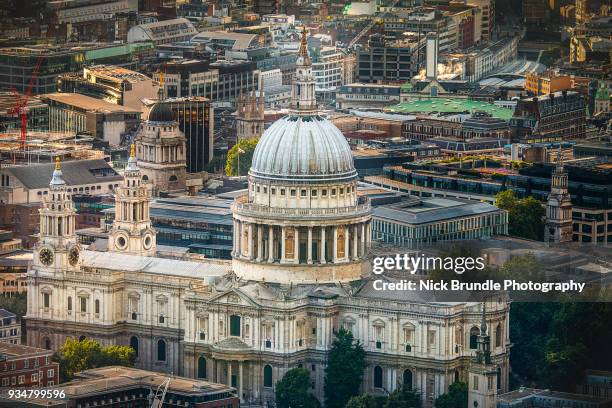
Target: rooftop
x=75 y=172
x=430 y=210
x=8 y=350
x=117 y=73
x=86 y=102
x=451 y=105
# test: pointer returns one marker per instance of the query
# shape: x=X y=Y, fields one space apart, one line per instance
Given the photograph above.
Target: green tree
x=16 y=303
x=292 y=390
x=344 y=371
x=366 y=401
x=525 y=215
x=75 y=356
x=239 y=157
x=456 y=397
x=403 y=398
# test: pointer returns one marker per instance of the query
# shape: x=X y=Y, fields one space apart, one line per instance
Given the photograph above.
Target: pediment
x=233 y=297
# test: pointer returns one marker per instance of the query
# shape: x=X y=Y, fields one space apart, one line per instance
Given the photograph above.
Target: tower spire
x=304 y=44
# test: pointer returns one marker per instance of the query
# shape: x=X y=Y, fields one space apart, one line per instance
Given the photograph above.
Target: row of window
x=33 y=378
x=303 y=191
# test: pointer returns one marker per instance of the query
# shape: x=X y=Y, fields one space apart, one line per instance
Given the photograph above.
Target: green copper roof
x=447 y=105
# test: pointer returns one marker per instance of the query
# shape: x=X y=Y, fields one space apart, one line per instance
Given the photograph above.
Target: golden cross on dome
x=133 y=150
x=57 y=162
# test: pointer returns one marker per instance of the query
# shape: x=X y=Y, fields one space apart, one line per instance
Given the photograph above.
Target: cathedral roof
x=303 y=147
x=160 y=112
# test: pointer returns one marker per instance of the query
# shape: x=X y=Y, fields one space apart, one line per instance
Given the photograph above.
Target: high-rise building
x=195 y=118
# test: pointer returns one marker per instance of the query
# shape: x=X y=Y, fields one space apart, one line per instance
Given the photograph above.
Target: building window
x=378 y=377
x=303 y=193
x=201 y=367
x=267 y=376
x=324 y=192
x=475 y=383
x=162 y=319
x=69 y=303
x=161 y=350
x=235 y=325
x=293 y=192
x=46 y=300
x=407 y=379
x=282 y=190
x=498 y=335
x=83 y=301
x=134 y=344
x=97 y=306
x=34 y=377
x=474 y=332
x=50 y=373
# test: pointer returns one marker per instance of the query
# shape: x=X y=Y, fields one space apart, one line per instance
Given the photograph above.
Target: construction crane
x=21 y=108
x=369 y=26
x=157 y=399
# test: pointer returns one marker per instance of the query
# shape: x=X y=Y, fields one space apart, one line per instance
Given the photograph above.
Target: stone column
x=251 y=242
x=362 y=249
x=355 y=237
x=270 y=243
x=322 y=249
x=238 y=239
x=282 y=257
x=309 y=245
x=259 y=243
x=347 y=242
x=335 y=245
x=296 y=244
x=240 y=381
x=229 y=373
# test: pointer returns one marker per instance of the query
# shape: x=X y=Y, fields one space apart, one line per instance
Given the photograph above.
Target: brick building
x=25 y=366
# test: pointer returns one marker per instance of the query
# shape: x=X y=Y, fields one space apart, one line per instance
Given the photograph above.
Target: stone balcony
x=242 y=207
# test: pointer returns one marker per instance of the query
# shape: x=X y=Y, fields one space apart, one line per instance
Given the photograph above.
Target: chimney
x=431 y=60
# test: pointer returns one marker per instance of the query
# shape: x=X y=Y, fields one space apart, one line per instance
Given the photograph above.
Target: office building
x=20 y=62
x=367 y=96
x=537 y=398
x=27 y=367
x=73 y=12
x=561 y=115
x=546 y=83
x=76 y=113
x=393 y=62
x=10 y=328
x=420 y=222
x=117 y=387
x=162 y=32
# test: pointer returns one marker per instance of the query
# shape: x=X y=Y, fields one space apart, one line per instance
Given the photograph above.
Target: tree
x=239 y=157
x=344 y=371
x=292 y=390
x=456 y=397
x=403 y=398
x=367 y=401
x=525 y=215
x=75 y=356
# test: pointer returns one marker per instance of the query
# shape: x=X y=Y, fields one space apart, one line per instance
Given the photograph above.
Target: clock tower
x=57 y=247
x=132 y=232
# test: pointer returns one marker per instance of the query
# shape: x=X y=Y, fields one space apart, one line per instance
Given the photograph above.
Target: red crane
x=21 y=103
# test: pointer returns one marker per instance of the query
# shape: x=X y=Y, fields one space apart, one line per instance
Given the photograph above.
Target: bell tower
x=57 y=247
x=132 y=232
x=558 y=226
x=249 y=117
x=482 y=383
x=303 y=99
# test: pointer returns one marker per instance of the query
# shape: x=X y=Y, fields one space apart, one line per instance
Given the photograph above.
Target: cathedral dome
x=160 y=112
x=303 y=148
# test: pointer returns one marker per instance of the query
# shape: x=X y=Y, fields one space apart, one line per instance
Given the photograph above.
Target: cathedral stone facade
x=300 y=272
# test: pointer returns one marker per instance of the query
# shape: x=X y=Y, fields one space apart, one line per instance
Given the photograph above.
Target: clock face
x=45 y=256
x=73 y=256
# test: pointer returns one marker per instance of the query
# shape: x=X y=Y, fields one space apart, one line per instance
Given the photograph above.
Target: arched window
x=47 y=343
x=161 y=350
x=474 y=332
x=172 y=178
x=69 y=303
x=407 y=380
x=378 y=377
x=498 y=335
x=145 y=177
x=134 y=344
x=268 y=376
x=234 y=325
x=97 y=306
x=499 y=378
x=201 y=367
